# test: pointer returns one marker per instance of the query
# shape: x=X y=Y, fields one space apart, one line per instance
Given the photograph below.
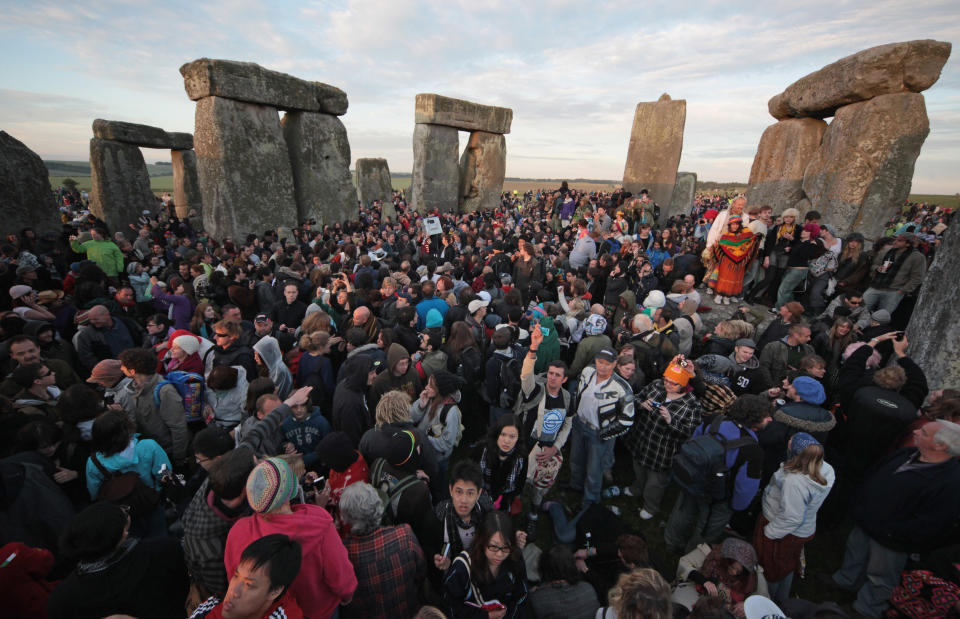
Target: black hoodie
x=350 y=413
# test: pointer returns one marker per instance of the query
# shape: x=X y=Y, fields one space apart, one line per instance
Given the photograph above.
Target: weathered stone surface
x=483 y=167
x=246 y=81
x=436 y=175
x=141 y=135
x=785 y=149
x=389 y=210
x=243 y=167
x=24 y=189
x=120 y=185
x=320 y=159
x=373 y=180
x=933 y=332
x=911 y=66
x=180 y=141
x=466 y=115
x=864 y=167
x=186 y=184
x=684 y=192
x=656 y=142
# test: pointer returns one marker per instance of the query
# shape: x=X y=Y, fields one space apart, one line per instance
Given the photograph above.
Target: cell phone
x=108 y=399
x=319 y=483
x=899 y=336
x=445 y=551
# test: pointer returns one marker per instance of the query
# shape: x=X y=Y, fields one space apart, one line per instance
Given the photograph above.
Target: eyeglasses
x=202 y=460
x=498 y=549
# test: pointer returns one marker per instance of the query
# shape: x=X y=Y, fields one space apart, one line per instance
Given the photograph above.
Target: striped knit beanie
x=270 y=484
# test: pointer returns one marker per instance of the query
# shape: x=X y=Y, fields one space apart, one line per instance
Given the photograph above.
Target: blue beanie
x=434 y=319
x=809 y=389
x=800 y=441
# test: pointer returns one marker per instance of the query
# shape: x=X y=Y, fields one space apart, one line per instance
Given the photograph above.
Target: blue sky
x=572 y=71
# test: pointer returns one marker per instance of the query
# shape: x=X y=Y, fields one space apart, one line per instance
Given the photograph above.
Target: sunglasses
x=221 y=335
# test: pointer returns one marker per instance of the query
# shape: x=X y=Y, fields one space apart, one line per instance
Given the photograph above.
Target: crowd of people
x=359 y=419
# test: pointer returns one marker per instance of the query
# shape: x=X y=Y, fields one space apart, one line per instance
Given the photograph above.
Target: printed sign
x=431 y=225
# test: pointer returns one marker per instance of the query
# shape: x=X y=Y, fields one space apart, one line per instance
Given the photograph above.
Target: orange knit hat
x=677 y=374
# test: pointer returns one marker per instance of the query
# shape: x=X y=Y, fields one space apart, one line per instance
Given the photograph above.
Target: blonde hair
x=315 y=341
x=892 y=377
x=726 y=329
x=641 y=594
x=807 y=462
x=741 y=329
x=394 y=407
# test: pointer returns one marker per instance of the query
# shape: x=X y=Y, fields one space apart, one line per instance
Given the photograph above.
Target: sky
x=572 y=72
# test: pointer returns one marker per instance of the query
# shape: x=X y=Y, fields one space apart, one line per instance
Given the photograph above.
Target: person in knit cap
x=184 y=355
x=790 y=504
x=667 y=415
x=437 y=413
x=326 y=577
x=801 y=413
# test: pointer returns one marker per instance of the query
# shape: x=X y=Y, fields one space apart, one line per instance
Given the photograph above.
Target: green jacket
x=105 y=253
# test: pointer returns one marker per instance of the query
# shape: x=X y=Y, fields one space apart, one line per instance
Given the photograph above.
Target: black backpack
x=390 y=488
x=126 y=489
x=700 y=467
x=509 y=381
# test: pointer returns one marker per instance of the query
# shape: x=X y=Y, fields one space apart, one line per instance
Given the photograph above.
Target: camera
x=899 y=336
x=656 y=404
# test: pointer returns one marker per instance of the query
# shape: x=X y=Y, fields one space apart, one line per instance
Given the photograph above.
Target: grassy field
x=159 y=184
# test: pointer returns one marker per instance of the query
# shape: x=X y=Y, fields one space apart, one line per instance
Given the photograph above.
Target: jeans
x=695 y=520
x=816 y=302
x=752 y=271
x=791 y=279
x=879 y=298
x=587 y=457
x=874 y=568
x=564 y=531
x=780 y=589
x=651 y=484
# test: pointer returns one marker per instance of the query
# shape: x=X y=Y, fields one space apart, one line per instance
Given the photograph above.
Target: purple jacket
x=182 y=306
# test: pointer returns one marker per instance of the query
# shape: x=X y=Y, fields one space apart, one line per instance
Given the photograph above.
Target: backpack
x=190 y=386
x=390 y=489
x=436 y=429
x=509 y=381
x=700 y=467
x=656 y=211
x=126 y=489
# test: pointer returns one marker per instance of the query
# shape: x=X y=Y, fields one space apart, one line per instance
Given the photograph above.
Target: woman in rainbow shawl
x=733 y=251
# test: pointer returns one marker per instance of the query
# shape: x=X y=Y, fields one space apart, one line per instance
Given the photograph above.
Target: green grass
x=947 y=201
x=159 y=184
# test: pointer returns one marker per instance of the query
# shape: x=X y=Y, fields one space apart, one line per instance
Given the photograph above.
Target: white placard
x=431 y=225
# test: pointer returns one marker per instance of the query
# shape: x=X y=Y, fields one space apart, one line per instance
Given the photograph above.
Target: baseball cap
x=261 y=318
x=20 y=290
x=607 y=354
x=476 y=304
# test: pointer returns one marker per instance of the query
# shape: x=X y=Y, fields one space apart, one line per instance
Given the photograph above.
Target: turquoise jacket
x=144 y=456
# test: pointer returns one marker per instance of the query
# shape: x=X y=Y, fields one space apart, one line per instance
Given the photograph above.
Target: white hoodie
x=791 y=501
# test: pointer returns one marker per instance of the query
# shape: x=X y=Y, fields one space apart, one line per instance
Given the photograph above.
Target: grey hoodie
x=791 y=501
x=269 y=351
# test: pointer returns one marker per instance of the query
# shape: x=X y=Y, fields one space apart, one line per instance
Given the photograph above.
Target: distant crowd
x=568 y=406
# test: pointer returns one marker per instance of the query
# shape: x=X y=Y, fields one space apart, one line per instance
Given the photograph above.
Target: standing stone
x=389 y=210
x=785 y=149
x=684 y=192
x=186 y=185
x=120 y=185
x=320 y=159
x=373 y=181
x=933 y=332
x=912 y=66
x=482 y=170
x=436 y=175
x=467 y=115
x=656 y=142
x=864 y=167
x=24 y=189
x=243 y=167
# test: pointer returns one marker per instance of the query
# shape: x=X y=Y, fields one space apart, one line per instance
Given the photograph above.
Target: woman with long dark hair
x=504 y=462
x=489 y=581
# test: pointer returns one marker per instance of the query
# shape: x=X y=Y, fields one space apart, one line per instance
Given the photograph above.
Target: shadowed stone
x=120 y=185
x=373 y=181
x=656 y=142
x=186 y=184
x=933 y=332
x=320 y=160
x=467 y=115
x=684 y=191
x=436 y=175
x=243 y=167
x=141 y=135
x=25 y=189
x=246 y=81
x=482 y=170
x=785 y=149
x=911 y=66
x=863 y=169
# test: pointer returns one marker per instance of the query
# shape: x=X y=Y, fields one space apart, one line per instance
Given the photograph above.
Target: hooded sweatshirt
x=350 y=413
x=408 y=382
x=791 y=501
x=269 y=351
x=630 y=300
x=228 y=406
x=549 y=349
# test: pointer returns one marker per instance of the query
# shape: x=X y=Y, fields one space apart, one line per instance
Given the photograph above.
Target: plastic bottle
x=586 y=543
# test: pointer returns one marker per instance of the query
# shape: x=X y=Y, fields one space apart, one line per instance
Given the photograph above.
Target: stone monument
x=438 y=180
x=25 y=189
x=373 y=181
x=656 y=143
x=684 y=192
x=256 y=172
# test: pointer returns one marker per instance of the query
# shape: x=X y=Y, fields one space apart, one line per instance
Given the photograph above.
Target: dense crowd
x=359 y=419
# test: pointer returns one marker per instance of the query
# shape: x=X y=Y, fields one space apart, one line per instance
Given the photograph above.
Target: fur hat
x=270 y=484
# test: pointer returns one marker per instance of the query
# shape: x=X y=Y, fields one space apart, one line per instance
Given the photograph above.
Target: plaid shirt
x=653 y=441
x=389 y=566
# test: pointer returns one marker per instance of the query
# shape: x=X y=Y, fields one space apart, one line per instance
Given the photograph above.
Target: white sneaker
x=645 y=515
x=717 y=300
x=614 y=509
x=726 y=300
x=627 y=491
